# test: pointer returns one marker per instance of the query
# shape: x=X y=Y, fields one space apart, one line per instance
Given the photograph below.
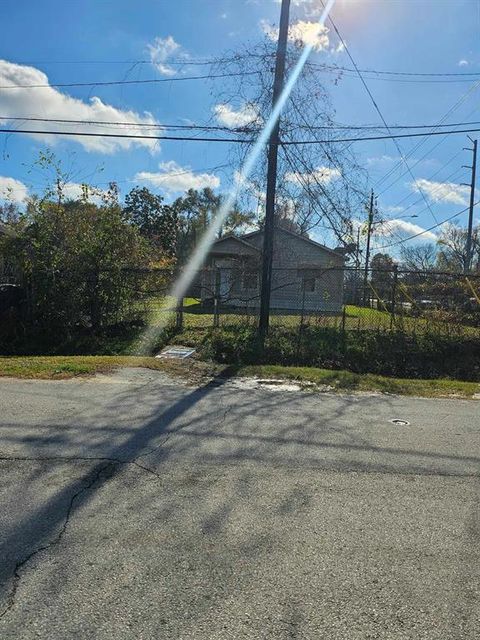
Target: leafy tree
x=382 y=265
x=195 y=211
x=154 y=220
x=9 y=212
x=73 y=257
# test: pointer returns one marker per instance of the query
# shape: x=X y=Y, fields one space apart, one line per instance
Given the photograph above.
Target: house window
x=308 y=284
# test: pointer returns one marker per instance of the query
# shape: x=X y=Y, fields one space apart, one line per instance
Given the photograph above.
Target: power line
x=231 y=140
x=438 y=188
x=421 y=233
x=375 y=127
x=176 y=62
x=417 y=162
x=395 y=73
x=392 y=136
x=307 y=187
x=377 y=109
x=211 y=61
x=89 y=134
x=231 y=129
x=126 y=124
x=435 y=128
x=377 y=78
x=100 y=83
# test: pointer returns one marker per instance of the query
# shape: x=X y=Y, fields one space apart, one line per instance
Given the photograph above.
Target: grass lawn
x=65 y=367
x=348 y=381
x=356 y=318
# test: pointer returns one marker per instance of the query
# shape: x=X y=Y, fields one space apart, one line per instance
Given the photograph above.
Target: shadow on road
x=209 y=426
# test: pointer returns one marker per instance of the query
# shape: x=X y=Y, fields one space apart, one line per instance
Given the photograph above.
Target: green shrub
x=391 y=354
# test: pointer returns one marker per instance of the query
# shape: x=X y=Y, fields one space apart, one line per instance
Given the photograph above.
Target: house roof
x=239 y=239
x=298 y=236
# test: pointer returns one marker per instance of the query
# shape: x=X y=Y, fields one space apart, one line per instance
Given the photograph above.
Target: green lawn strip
x=65 y=367
x=346 y=380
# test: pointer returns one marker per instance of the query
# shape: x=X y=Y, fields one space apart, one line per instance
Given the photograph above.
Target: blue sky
x=59 y=38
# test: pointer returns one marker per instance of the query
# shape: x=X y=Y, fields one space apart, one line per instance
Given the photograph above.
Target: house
x=306 y=275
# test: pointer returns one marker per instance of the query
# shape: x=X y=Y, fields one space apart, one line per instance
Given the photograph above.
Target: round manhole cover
x=399 y=423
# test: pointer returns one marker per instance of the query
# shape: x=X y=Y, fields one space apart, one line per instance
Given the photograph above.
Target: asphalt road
x=133 y=506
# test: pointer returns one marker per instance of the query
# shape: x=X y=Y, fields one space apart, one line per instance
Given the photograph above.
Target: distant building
x=306 y=275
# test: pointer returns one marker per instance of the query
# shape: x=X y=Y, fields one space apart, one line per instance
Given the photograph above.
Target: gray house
x=306 y=275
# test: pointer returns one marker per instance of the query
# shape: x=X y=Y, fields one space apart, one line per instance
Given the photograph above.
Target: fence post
x=302 y=317
x=179 y=314
x=394 y=295
x=216 y=299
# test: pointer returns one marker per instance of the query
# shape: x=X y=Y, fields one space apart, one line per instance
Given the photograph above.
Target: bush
x=392 y=354
x=76 y=261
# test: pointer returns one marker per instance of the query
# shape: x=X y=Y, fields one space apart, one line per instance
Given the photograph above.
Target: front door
x=225 y=284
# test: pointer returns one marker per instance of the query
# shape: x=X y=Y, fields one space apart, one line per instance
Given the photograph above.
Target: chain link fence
x=350 y=299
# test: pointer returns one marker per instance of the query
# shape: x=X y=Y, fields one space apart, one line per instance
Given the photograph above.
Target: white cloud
x=161 y=50
x=26 y=102
x=302 y=33
x=75 y=191
x=442 y=191
x=12 y=189
x=174 y=178
x=340 y=48
x=245 y=115
x=392 y=209
x=402 y=229
x=463 y=63
x=322 y=175
x=382 y=160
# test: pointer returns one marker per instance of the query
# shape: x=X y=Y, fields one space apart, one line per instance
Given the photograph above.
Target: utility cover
x=176 y=352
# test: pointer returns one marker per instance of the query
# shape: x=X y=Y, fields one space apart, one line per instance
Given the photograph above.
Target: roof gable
x=298 y=237
x=228 y=239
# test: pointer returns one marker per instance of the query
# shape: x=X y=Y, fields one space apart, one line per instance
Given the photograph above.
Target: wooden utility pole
x=367 y=251
x=468 y=246
x=269 y=224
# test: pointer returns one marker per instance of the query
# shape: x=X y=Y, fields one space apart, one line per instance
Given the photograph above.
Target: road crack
x=150 y=451
x=44 y=547
x=118 y=461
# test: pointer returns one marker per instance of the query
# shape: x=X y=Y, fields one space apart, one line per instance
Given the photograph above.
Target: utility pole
x=357 y=290
x=367 y=251
x=269 y=224
x=468 y=245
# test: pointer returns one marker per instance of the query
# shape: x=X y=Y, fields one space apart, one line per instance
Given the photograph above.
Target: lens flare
x=159 y=320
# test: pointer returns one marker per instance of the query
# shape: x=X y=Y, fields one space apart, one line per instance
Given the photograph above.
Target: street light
x=414 y=215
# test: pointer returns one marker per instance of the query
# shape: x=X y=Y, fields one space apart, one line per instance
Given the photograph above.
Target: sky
x=88 y=41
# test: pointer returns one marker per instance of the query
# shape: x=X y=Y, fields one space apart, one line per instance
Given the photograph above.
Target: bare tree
x=321 y=185
x=422 y=257
x=452 y=254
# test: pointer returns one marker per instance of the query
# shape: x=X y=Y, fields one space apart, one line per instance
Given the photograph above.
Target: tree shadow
x=207 y=427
